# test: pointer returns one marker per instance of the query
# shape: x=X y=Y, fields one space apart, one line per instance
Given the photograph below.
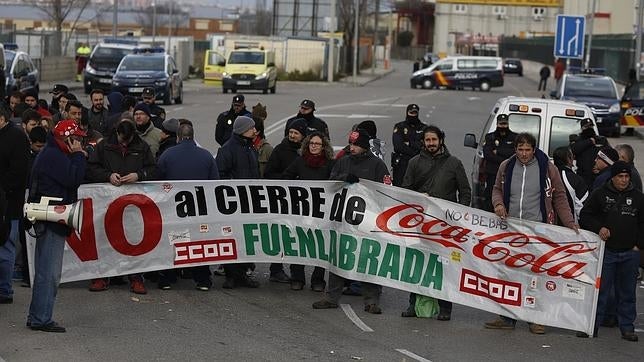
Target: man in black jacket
x=361 y=163
x=615 y=211
x=544 y=74
x=313 y=123
x=225 y=120
x=497 y=147
x=14 y=160
x=237 y=159
x=585 y=149
x=407 y=139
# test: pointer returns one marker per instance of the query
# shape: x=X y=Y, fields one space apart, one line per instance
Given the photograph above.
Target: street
x=274 y=323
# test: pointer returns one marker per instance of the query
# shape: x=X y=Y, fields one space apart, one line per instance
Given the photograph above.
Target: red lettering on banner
x=500 y=291
x=431 y=229
x=204 y=251
x=152 y=224
x=506 y=247
x=85 y=246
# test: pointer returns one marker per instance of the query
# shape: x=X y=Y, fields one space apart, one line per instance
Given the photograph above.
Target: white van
x=550 y=121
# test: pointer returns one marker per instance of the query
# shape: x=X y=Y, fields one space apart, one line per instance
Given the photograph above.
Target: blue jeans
x=619 y=271
x=7 y=260
x=48 y=264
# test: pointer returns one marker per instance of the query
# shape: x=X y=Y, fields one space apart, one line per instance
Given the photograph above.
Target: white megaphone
x=70 y=215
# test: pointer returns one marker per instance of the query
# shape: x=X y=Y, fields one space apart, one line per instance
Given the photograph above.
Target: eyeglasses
x=315 y=144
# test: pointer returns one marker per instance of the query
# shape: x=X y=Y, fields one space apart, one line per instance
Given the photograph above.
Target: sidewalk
x=366 y=76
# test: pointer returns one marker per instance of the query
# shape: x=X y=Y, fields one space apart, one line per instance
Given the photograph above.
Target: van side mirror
x=553 y=94
x=221 y=63
x=271 y=64
x=175 y=71
x=470 y=140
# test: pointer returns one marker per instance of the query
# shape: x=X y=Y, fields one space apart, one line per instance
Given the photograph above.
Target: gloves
x=351 y=178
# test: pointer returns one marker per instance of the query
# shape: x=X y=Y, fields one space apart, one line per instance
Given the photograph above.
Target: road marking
x=336 y=115
x=280 y=123
x=412 y=355
x=346 y=308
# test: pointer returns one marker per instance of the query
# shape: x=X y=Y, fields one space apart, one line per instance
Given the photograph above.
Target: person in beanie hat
x=606 y=157
x=58 y=171
x=225 y=120
x=145 y=128
x=237 y=159
x=361 y=163
x=615 y=211
x=313 y=123
x=264 y=149
x=283 y=155
x=407 y=139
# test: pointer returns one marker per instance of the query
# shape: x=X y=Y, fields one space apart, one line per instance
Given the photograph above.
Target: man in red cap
x=58 y=171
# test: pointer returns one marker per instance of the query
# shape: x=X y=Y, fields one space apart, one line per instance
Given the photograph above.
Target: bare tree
x=57 y=12
x=263 y=21
x=146 y=17
x=346 y=24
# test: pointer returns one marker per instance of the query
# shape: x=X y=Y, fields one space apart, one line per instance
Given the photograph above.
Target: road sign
x=569 y=39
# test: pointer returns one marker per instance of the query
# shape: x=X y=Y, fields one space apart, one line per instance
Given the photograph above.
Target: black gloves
x=351 y=178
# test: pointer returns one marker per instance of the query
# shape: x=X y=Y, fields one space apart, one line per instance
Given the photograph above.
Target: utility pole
x=154 y=22
x=331 y=61
x=115 y=18
x=590 y=35
x=356 y=8
x=638 y=39
x=170 y=26
x=375 y=37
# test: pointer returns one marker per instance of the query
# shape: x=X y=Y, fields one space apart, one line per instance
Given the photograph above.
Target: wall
x=57 y=68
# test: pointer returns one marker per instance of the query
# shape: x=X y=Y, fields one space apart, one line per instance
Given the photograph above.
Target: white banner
x=365 y=231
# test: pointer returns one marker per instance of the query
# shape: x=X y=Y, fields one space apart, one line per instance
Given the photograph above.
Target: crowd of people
x=51 y=149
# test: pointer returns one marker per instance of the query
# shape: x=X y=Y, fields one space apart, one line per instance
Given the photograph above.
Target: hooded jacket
x=446 y=172
x=553 y=202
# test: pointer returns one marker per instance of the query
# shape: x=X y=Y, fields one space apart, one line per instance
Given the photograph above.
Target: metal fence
x=615 y=53
x=40 y=43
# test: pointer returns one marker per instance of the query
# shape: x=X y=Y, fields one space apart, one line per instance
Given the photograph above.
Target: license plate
x=135 y=90
x=243 y=82
x=104 y=80
x=599 y=120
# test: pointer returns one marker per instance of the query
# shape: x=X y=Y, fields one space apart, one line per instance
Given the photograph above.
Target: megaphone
x=70 y=215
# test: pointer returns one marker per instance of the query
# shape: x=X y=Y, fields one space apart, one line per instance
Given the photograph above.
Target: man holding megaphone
x=57 y=173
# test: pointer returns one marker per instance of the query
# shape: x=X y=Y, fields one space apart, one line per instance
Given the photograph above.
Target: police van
x=461 y=72
x=550 y=121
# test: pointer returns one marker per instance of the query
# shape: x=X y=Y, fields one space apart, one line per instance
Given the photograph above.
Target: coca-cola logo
x=513 y=249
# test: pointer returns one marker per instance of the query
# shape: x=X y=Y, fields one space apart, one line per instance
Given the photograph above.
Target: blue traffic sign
x=569 y=39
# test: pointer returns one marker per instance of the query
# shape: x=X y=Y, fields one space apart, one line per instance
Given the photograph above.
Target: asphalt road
x=273 y=323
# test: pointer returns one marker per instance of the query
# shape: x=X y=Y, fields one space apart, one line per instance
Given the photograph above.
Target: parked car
x=151 y=69
x=20 y=72
x=599 y=93
x=104 y=60
x=513 y=66
x=461 y=72
x=550 y=121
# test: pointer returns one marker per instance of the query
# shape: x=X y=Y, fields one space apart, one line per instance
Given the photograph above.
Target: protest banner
x=365 y=231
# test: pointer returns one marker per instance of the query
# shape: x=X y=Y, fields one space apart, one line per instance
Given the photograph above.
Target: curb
x=348 y=79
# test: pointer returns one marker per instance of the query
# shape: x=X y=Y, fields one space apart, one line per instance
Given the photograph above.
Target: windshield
x=589 y=87
x=8 y=56
x=560 y=131
x=107 y=54
x=142 y=63
x=246 y=58
x=529 y=123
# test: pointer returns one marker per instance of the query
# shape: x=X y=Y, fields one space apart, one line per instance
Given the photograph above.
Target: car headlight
x=262 y=76
x=160 y=83
x=614 y=108
x=116 y=83
x=226 y=75
x=89 y=69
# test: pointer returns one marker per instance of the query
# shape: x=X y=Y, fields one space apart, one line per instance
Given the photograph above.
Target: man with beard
x=237 y=159
x=435 y=172
x=157 y=114
x=283 y=155
x=408 y=141
x=498 y=146
x=361 y=163
x=145 y=129
x=313 y=123
x=585 y=150
x=98 y=114
x=225 y=120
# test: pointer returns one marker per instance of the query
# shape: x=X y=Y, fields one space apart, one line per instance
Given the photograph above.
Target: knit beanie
x=299 y=125
x=360 y=138
x=242 y=124
x=142 y=107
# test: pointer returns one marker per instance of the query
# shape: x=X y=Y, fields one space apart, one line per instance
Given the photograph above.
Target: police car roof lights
x=149 y=50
